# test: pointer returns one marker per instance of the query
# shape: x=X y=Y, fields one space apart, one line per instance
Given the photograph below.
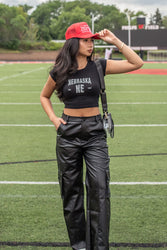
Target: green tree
x=106 y=16
x=54 y=16
x=157 y=18
x=51 y=19
x=31 y=33
x=18 y=26
x=26 y=7
x=13 y=23
x=151 y=22
x=110 y=18
x=58 y=26
x=164 y=21
x=83 y=4
x=3 y=22
x=43 y=16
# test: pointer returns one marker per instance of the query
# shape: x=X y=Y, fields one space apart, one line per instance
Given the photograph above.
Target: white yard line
x=20 y=92
x=110 y=84
x=138 y=183
x=112 y=103
x=50 y=125
x=56 y=183
x=21 y=85
x=137 y=84
x=138 y=92
x=20 y=74
x=137 y=103
x=25 y=62
x=29 y=196
x=25 y=103
x=57 y=196
x=26 y=125
x=20 y=103
x=139 y=197
x=141 y=125
x=112 y=91
x=29 y=182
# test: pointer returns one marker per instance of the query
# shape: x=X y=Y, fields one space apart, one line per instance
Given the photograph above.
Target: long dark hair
x=66 y=64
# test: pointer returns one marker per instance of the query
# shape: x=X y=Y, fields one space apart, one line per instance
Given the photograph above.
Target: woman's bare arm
x=132 y=62
x=46 y=93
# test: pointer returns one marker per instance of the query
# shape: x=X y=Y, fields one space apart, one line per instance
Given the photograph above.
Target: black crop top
x=82 y=89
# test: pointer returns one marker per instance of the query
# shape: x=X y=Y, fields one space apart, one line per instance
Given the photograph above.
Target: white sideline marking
x=56 y=183
x=22 y=73
x=50 y=125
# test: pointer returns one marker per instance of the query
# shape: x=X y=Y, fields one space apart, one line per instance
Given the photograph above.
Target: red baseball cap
x=80 y=30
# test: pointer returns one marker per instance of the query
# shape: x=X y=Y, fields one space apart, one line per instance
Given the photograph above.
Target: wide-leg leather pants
x=83 y=138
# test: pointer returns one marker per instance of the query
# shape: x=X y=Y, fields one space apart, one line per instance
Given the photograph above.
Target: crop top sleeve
x=82 y=89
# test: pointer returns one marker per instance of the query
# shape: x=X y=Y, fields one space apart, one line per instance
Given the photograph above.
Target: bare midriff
x=85 y=112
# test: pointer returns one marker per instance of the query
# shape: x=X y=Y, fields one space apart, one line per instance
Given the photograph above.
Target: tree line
x=25 y=28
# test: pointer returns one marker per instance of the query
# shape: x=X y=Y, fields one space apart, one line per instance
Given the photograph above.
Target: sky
x=148 y=6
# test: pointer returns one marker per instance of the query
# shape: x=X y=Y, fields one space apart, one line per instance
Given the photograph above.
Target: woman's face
x=86 y=46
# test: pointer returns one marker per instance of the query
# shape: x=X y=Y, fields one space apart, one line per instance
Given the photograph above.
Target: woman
x=80 y=133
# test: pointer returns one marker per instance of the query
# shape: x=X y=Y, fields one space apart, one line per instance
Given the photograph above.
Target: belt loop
x=65 y=117
x=97 y=118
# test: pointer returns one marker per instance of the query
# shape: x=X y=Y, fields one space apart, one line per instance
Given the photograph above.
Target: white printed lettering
x=79 y=89
x=79 y=80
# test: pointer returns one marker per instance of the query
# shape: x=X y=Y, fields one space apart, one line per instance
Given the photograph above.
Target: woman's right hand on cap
x=107 y=36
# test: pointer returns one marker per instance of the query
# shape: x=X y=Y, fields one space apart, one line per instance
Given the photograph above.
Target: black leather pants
x=84 y=138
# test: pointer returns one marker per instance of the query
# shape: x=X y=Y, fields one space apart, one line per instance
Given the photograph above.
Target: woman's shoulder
x=53 y=74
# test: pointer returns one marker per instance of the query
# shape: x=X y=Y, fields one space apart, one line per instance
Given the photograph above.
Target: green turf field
x=31 y=209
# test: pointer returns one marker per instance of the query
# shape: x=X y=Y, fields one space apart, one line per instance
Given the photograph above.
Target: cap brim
x=96 y=36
